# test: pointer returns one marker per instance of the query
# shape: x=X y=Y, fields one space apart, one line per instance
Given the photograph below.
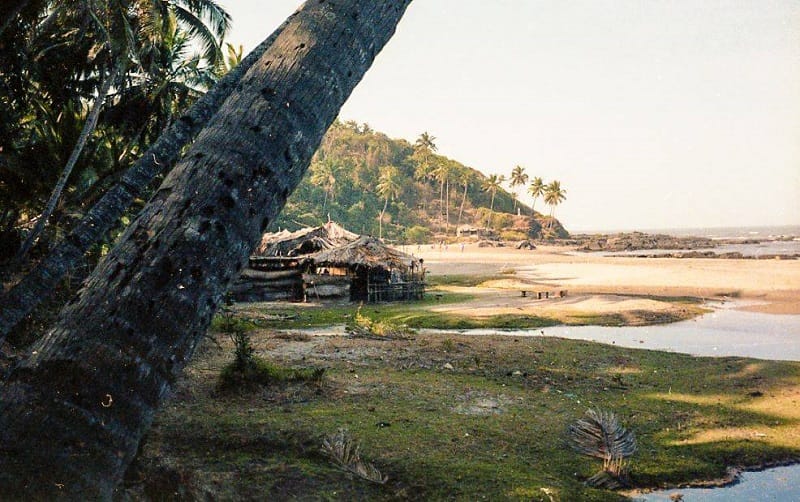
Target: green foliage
x=418 y=235
x=259 y=372
x=227 y=322
x=52 y=66
x=358 y=172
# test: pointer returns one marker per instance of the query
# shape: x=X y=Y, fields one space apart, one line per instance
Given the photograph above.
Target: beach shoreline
x=766 y=286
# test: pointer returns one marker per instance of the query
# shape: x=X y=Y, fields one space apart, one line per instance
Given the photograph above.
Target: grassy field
x=423 y=314
x=457 y=417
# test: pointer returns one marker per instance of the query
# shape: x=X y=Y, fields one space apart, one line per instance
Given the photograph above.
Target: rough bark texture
x=72 y=414
x=40 y=283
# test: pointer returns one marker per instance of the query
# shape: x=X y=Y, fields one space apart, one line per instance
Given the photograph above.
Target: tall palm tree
x=492 y=184
x=74 y=412
x=518 y=178
x=553 y=196
x=324 y=175
x=464 y=178
x=390 y=186
x=536 y=189
x=424 y=149
x=442 y=173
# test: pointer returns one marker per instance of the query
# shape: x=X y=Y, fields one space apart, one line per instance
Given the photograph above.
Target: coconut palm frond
x=601 y=435
x=345 y=452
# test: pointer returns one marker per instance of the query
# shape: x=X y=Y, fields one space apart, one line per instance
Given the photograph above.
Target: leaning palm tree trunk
x=40 y=283
x=72 y=414
x=88 y=128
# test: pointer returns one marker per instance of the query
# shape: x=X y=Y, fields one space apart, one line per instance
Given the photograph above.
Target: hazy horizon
x=652 y=114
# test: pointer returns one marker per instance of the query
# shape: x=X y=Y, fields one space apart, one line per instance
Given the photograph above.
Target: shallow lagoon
x=724 y=332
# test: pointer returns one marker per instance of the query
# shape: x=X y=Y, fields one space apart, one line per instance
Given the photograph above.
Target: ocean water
x=762 y=232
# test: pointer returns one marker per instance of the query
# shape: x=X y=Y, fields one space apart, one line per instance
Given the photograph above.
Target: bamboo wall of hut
x=329 y=262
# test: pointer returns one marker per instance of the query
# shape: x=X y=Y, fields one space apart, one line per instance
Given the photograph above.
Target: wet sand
x=595 y=283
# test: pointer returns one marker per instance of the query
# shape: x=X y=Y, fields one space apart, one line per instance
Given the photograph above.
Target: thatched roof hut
x=366 y=252
x=329 y=261
x=305 y=241
x=376 y=271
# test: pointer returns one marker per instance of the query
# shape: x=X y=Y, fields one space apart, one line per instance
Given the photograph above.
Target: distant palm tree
x=518 y=177
x=536 y=190
x=425 y=142
x=324 y=175
x=444 y=172
x=492 y=184
x=424 y=148
x=553 y=196
x=464 y=176
x=390 y=186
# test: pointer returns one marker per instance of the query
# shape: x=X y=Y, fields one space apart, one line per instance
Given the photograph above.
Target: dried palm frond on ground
x=345 y=452
x=364 y=327
x=601 y=435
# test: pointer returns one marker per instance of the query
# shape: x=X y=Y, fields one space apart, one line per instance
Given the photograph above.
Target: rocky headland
x=634 y=241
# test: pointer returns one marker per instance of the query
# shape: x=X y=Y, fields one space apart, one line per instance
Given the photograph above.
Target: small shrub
x=448 y=345
x=512 y=235
x=227 y=322
x=259 y=372
x=418 y=235
x=247 y=370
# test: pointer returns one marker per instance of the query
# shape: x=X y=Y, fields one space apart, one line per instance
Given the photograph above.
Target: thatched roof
x=366 y=252
x=304 y=241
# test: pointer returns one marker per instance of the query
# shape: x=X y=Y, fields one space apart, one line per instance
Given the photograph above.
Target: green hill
x=358 y=172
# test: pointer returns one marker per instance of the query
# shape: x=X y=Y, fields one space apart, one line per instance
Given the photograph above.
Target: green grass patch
x=465 y=280
x=226 y=322
x=467 y=418
x=309 y=316
x=236 y=376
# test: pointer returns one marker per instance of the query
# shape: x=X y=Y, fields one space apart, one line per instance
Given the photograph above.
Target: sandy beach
x=600 y=284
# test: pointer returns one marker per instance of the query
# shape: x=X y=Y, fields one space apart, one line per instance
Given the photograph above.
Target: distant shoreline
x=773 y=284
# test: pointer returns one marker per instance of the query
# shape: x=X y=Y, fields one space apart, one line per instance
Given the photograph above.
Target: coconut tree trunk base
x=72 y=414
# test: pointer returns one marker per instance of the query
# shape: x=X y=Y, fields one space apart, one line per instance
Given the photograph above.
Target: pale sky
x=651 y=113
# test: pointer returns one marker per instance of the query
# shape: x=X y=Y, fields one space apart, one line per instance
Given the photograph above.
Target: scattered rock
x=448 y=366
x=638 y=240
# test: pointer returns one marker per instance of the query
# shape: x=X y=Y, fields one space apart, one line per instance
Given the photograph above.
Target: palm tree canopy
x=390 y=183
x=324 y=174
x=518 y=176
x=554 y=194
x=536 y=188
x=426 y=142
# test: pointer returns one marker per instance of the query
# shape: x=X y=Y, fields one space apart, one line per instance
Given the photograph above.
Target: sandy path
x=774 y=283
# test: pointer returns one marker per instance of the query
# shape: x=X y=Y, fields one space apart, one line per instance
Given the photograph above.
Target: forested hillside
x=359 y=175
